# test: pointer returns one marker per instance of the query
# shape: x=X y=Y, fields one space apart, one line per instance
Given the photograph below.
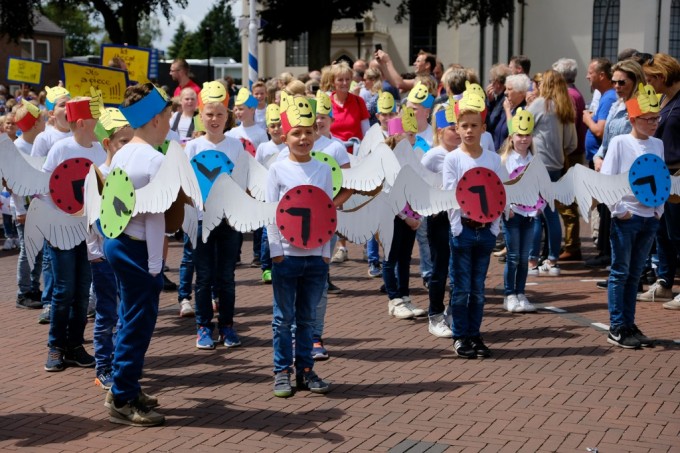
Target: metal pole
x=252 y=46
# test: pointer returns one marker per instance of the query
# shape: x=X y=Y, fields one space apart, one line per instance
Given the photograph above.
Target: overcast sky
x=192 y=15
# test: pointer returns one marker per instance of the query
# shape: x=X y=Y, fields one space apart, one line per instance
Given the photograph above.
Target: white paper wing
x=190 y=223
x=188 y=180
x=369 y=173
x=255 y=175
x=423 y=198
x=407 y=155
x=355 y=201
x=19 y=170
x=526 y=190
x=373 y=136
x=228 y=200
x=675 y=185
x=373 y=218
x=93 y=199
x=589 y=185
x=44 y=221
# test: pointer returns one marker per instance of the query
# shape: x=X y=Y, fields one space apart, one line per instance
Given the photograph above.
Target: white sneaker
x=340 y=256
x=15 y=243
x=438 y=328
x=186 y=310
x=448 y=317
x=548 y=268
x=414 y=308
x=8 y=245
x=511 y=303
x=525 y=305
x=533 y=271
x=396 y=308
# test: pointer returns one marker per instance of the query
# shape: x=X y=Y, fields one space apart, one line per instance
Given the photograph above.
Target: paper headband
x=31 y=117
x=298 y=114
x=53 y=95
x=323 y=104
x=421 y=95
x=475 y=88
x=213 y=92
x=404 y=123
x=79 y=110
x=272 y=114
x=142 y=111
x=245 y=98
x=110 y=120
x=471 y=101
x=386 y=103
x=446 y=117
x=522 y=122
x=646 y=101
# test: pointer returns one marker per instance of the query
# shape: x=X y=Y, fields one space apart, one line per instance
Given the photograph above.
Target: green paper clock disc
x=336 y=172
x=118 y=202
x=163 y=149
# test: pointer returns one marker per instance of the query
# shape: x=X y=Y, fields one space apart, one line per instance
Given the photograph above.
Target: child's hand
x=326 y=260
x=277 y=259
x=412 y=223
x=21 y=219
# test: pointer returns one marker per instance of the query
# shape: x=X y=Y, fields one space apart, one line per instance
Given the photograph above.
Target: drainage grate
x=414 y=446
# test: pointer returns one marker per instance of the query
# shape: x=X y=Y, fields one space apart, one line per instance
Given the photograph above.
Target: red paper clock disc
x=481 y=195
x=306 y=217
x=67 y=184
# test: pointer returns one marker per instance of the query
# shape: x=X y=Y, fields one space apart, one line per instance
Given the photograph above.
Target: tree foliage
x=217 y=29
x=457 y=12
x=181 y=34
x=76 y=22
x=17 y=18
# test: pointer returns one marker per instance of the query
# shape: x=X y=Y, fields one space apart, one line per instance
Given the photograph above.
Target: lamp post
x=208 y=39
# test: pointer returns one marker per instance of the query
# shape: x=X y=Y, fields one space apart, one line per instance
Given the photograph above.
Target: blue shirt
x=592 y=142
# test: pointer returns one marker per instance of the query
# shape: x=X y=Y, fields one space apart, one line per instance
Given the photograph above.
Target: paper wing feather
x=190 y=223
x=423 y=198
x=251 y=175
x=20 y=172
x=369 y=173
x=407 y=155
x=93 y=198
x=373 y=136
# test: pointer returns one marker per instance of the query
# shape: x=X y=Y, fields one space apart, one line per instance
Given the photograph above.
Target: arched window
x=674 y=35
x=605 y=29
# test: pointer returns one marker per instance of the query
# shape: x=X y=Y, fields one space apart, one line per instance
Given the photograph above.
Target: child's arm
x=273 y=233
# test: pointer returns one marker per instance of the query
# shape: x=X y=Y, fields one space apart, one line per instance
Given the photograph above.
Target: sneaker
x=602 y=285
x=55 y=360
x=571 y=256
x=44 y=316
x=308 y=380
x=24 y=301
x=35 y=295
x=168 y=285
x=144 y=398
x=479 y=347
x=104 y=379
x=656 y=293
x=186 y=309
x=644 y=340
x=319 y=352
x=229 y=337
x=282 y=387
x=414 y=308
x=396 y=308
x=78 y=356
x=533 y=271
x=674 y=304
x=437 y=326
x=374 y=270
x=426 y=282
x=548 y=268
x=511 y=303
x=622 y=337
x=255 y=262
x=204 y=338
x=463 y=348
x=599 y=262
x=8 y=245
x=91 y=311
x=502 y=252
x=267 y=277
x=135 y=413
x=340 y=256
x=524 y=305
x=332 y=289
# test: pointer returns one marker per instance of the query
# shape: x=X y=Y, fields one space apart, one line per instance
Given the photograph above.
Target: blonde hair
x=555 y=92
x=326 y=83
x=665 y=66
x=295 y=88
x=429 y=82
x=435 y=129
x=633 y=71
x=508 y=146
x=341 y=68
x=376 y=77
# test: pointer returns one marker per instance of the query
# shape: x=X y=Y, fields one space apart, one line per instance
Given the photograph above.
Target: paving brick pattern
x=553 y=384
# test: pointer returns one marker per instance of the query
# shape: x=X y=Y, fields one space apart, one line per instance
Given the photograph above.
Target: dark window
x=422 y=31
x=606 y=29
x=674 y=38
x=296 y=51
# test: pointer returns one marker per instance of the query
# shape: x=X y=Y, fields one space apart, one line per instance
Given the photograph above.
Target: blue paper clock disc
x=208 y=165
x=650 y=180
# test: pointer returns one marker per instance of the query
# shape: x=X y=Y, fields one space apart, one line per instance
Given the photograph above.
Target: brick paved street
x=553 y=384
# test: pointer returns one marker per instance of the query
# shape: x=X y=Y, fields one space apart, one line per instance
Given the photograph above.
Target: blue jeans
x=186 y=270
x=257 y=243
x=215 y=263
x=27 y=279
x=471 y=251
x=438 y=235
x=8 y=226
x=373 y=251
x=631 y=240
x=397 y=266
x=552 y=221
x=265 y=257
x=48 y=277
x=518 y=232
x=72 y=278
x=320 y=319
x=106 y=313
x=668 y=243
x=139 y=293
x=298 y=282
x=424 y=249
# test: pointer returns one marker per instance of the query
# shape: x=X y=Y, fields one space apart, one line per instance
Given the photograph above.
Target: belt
x=473 y=224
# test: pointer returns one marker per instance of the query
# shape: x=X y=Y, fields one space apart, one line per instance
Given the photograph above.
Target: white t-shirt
x=23 y=146
x=183 y=125
x=68 y=148
x=17 y=202
x=456 y=163
x=433 y=160
x=283 y=176
x=255 y=134
x=141 y=162
x=260 y=118
x=487 y=142
x=427 y=135
x=46 y=139
x=267 y=149
x=622 y=152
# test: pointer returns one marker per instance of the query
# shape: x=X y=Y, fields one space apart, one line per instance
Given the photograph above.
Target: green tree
x=217 y=29
x=76 y=22
x=149 y=30
x=178 y=39
x=457 y=12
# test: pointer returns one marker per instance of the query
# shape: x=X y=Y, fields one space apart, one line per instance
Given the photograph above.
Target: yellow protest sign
x=24 y=71
x=79 y=77
x=136 y=59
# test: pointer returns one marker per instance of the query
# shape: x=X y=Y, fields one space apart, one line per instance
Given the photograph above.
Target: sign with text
x=79 y=77
x=24 y=71
x=137 y=60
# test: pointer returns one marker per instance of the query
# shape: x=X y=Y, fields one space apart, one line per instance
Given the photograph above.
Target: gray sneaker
x=282 y=387
x=656 y=293
x=145 y=398
x=44 y=316
x=135 y=413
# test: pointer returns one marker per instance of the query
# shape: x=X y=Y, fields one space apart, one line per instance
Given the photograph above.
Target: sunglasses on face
x=620 y=83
